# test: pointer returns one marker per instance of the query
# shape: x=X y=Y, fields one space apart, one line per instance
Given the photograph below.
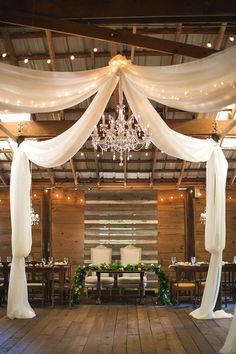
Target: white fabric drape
x=54 y=152
x=200 y=86
x=205 y=85
x=192 y=149
x=35 y=91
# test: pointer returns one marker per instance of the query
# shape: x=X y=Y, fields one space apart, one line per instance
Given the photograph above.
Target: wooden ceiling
x=147 y=32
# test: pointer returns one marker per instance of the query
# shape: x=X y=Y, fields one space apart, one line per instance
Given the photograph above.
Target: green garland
x=163 y=297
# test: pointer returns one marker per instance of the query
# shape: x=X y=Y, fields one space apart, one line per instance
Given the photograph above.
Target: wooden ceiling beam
x=132 y=11
x=21 y=18
x=10 y=49
x=233 y=177
x=51 y=175
x=3 y=179
x=49 y=129
x=51 y=50
x=72 y=165
x=182 y=173
x=199 y=28
x=154 y=162
x=97 y=167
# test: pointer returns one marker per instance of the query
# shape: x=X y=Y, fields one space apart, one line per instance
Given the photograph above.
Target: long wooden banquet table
x=196 y=273
x=36 y=272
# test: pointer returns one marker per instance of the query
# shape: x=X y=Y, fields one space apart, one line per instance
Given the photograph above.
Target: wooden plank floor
x=112 y=329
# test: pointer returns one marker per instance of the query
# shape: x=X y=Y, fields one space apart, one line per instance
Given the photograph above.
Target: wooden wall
x=67 y=223
x=171 y=226
x=73 y=222
x=120 y=217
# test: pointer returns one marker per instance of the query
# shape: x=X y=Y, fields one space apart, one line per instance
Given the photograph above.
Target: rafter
x=181 y=173
x=104 y=34
x=233 y=177
x=51 y=176
x=154 y=162
x=3 y=179
x=73 y=171
x=96 y=167
x=49 y=129
x=132 y=12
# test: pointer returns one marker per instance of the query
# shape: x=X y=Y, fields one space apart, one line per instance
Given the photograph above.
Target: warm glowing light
x=162 y=199
x=181 y=195
x=46 y=190
x=68 y=198
x=172 y=197
x=49 y=61
x=57 y=195
x=4 y=55
x=230 y=198
x=231 y=38
x=35 y=195
x=209 y=45
x=81 y=154
x=95 y=50
x=146 y=153
x=81 y=200
x=72 y=57
x=98 y=155
x=26 y=60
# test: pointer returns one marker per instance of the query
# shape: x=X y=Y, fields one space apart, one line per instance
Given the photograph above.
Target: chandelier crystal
x=121 y=135
x=203 y=217
x=34 y=217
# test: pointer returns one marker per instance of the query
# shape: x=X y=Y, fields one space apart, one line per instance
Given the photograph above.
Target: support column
x=189 y=225
x=46 y=223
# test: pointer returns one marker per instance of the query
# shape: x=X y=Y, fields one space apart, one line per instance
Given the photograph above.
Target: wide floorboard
x=112 y=329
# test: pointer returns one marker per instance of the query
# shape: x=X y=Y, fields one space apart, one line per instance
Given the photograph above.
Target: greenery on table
x=163 y=296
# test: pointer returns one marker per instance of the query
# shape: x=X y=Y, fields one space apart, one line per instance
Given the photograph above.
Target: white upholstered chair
x=130 y=255
x=99 y=255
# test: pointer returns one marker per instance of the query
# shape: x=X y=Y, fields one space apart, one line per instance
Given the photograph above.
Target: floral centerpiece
x=163 y=296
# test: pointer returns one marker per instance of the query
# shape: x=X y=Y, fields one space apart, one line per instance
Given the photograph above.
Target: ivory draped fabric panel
x=202 y=86
x=53 y=152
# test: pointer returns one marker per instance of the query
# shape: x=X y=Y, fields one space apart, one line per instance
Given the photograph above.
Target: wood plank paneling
x=120 y=217
x=67 y=215
x=5 y=226
x=171 y=226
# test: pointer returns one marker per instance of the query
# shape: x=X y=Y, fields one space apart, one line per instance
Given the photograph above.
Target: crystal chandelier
x=34 y=217
x=121 y=135
x=203 y=217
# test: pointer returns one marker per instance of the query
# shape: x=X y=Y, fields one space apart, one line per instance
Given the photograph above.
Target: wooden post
x=46 y=223
x=189 y=225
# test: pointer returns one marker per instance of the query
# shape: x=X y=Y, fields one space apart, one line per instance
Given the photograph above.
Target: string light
x=72 y=57
x=231 y=38
x=26 y=60
x=49 y=61
x=95 y=50
x=209 y=45
x=4 y=55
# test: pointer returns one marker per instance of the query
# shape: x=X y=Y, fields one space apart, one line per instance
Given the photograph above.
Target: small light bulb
x=4 y=55
x=162 y=199
x=95 y=50
x=68 y=198
x=49 y=61
x=72 y=57
x=98 y=155
x=172 y=197
x=81 y=200
x=81 y=154
x=209 y=45
x=26 y=60
x=231 y=38
x=146 y=153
